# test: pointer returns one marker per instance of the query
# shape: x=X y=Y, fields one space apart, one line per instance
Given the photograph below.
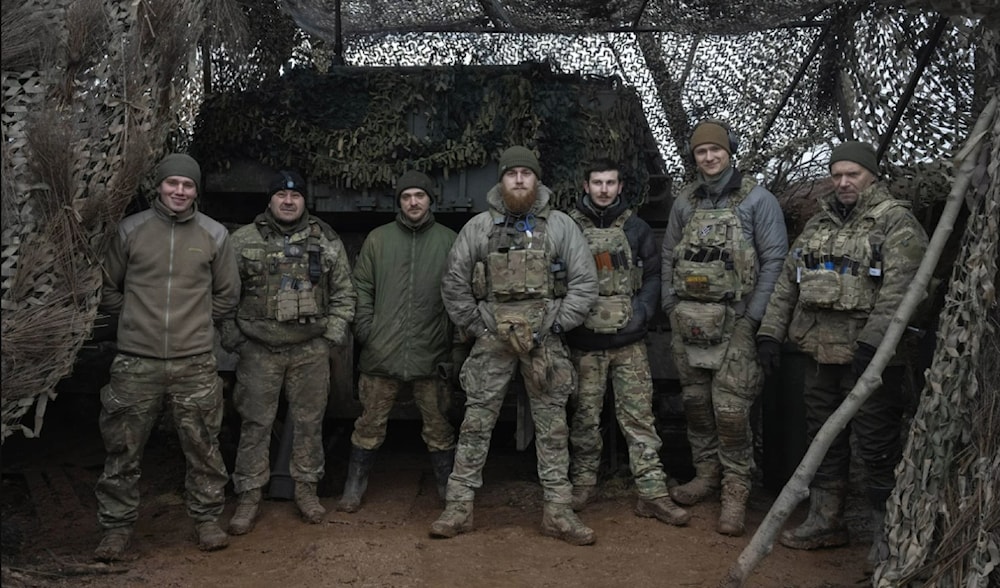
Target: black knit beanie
x=519 y=156
x=858 y=152
x=286 y=180
x=415 y=179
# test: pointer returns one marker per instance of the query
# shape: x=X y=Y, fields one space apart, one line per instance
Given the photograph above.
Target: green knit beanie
x=415 y=179
x=179 y=164
x=858 y=152
x=519 y=156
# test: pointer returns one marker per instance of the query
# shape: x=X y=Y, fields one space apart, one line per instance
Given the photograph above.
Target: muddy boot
x=211 y=537
x=824 y=526
x=113 y=544
x=582 y=496
x=706 y=483
x=732 y=519
x=559 y=521
x=663 y=509
x=358 y=468
x=246 y=512
x=441 y=462
x=305 y=498
x=456 y=518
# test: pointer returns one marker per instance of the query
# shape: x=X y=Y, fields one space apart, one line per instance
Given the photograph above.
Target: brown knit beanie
x=415 y=179
x=519 y=156
x=860 y=153
x=710 y=132
x=179 y=164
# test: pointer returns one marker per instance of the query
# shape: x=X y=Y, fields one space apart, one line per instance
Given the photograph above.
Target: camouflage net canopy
x=384 y=121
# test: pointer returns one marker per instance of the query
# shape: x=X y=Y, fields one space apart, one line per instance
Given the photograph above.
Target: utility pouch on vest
x=705 y=329
x=819 y=288
x=560 y=283
x=609 y=314
x=479 y=288
x=708 y=281
x=519 y=323
x=518 y=273
x=287 y=300
x=307 y=302
x=856 y=292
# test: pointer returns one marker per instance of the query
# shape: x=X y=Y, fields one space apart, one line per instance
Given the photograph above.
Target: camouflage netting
x=95 y=91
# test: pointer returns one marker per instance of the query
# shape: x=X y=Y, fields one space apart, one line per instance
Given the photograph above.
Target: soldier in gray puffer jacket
x=519 y=275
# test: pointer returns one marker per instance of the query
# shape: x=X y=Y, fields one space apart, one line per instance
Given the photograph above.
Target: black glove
x=768 y=354
x=862 y=357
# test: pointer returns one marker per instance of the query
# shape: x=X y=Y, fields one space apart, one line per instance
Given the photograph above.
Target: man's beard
x=518 y=203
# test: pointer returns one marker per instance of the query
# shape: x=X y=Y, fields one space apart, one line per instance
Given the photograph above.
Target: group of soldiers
x=563 y=298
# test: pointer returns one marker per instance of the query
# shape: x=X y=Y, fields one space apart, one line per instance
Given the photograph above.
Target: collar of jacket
x=268 y=225
x=602 y=217
x=732 y=185
x=180 y=217
x=416 y=227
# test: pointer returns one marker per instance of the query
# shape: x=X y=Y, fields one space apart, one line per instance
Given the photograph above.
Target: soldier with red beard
x=519 y=275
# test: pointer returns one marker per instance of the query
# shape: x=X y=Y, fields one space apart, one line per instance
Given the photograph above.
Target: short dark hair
x=601 y=164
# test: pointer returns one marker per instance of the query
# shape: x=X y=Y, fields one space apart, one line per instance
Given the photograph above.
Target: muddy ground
x=50 y=528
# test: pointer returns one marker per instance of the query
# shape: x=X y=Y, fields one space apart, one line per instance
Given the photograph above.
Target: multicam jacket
x=845 y=277
x=401 y=322
x=169 y=275
x=308 y=259
x=564 y=243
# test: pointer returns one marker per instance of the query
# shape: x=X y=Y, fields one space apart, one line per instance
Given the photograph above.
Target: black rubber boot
x=442 y=462
x=360 y=465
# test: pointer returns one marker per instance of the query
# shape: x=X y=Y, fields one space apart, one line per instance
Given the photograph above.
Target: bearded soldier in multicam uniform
x=611 y=341
x=518 y=275
x=297 y=301
x=841 y=284
x=722 y=252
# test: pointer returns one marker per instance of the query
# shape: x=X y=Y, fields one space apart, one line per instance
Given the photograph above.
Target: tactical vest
x=840 y=268
x=517 y=266
x=619 y=278
x=714 y=261
x=281 y=279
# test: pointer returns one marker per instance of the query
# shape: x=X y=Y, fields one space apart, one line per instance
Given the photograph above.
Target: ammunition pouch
x=519 y=324
x=609 y=314
x=705 y=329
x=287 y=309
x=518 y=274
x=708 y=281
x=827 y=289
x=480 y=289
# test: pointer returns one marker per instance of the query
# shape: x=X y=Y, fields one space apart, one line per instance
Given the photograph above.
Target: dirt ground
x=50 y=528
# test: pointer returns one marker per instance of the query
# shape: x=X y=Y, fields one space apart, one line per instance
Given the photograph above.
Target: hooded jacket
x=831 y=336
x=565 y=242
x=645 y=300
x=400 y=321
x=170 y=276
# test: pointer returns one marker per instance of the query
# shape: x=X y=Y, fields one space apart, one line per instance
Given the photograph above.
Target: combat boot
x=246 y=512
x=559 y=521
x=456 y=519
x=663 y=509
x=211 y=537
x=732 y=519
x=305 y=498
x=358 y=468
x=441 y=463
x=824 y=525
x=706 y=482
x=113 y=544
x=582 y=496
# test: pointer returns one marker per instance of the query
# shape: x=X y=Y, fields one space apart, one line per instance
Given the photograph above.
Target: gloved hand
x=862 y=357
x=768 y=354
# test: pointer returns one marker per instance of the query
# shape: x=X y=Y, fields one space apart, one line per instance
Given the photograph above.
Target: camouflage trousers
x=717 y=405
x=130 y=406
x=633 y=395
x=378 y=395
x=549 y=379
x=304 y=372
x=877 y=426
